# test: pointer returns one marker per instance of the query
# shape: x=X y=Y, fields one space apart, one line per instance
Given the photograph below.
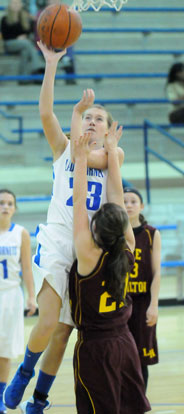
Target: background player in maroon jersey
x=144 y=282
x=107 y=368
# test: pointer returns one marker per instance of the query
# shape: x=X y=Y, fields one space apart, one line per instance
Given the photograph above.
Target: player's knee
x=62 y=333
x=47 y=326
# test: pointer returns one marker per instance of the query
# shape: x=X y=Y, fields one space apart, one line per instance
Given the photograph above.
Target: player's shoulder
x=150 y=228
x=16 y=231
x=151 y=232
x=63 y=154
x=18 y=228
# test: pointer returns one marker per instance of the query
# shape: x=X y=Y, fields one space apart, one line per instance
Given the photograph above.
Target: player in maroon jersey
x=144 y=282
x=107 y=370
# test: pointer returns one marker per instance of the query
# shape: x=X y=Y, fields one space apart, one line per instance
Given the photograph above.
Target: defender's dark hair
x=108 y=226
x=142 y=219
x=174 y=71
x=5 y=190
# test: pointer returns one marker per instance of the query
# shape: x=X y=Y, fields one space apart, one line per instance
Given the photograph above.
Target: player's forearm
x=98 y=159
x=76 y=124
x=114 y=181
x=47 y=90
x=80 y=182
x=76 y=127
x=155 y=288
x=29 y=283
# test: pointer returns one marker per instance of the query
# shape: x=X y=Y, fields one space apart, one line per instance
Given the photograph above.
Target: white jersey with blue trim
x=10 y=253
x=61 y=206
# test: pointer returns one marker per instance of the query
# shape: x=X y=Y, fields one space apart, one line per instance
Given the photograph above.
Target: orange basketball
x=59 y=27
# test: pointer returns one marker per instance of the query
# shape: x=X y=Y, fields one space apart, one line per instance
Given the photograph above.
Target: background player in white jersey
x=55 y=252
x=15 y=256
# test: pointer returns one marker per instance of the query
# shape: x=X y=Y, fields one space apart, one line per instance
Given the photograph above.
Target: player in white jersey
x=15 y=257
x=55 y=252
x=57 y=239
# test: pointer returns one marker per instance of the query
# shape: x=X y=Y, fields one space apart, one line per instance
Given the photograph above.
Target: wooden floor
x=166 y=380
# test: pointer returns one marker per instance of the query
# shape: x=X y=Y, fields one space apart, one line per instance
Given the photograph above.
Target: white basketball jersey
x=10 y=250
x=61 y=206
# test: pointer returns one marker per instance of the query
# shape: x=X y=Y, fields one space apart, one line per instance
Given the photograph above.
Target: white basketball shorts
x=11 y=322
x=53 y=260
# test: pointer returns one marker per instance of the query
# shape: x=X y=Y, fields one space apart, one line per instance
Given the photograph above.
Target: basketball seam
x=69 y=28
x=53 y=25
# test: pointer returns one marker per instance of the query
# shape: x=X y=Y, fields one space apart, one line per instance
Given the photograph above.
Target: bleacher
x=137 y=98
x=133 y=89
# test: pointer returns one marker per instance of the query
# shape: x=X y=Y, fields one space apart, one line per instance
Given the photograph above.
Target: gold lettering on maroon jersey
x=137 y=254
x=135 y=270
x=150 y=353
x=107 y=303
x=137 y=287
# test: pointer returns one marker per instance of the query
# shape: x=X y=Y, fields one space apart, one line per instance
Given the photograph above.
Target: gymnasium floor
x=166 y=382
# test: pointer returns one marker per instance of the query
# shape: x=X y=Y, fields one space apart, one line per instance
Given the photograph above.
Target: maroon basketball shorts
x=108 y=377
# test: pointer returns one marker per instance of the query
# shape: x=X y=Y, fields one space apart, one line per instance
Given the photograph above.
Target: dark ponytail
x=108 y=226
x=142 y=219
x=117 y=268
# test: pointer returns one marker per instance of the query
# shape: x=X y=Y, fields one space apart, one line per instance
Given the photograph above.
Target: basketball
x=58 y=26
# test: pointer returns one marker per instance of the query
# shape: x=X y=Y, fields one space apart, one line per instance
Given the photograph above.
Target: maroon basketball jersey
x=93 y=309
x=141 y=275
x=139 y=289
x=107 y=369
